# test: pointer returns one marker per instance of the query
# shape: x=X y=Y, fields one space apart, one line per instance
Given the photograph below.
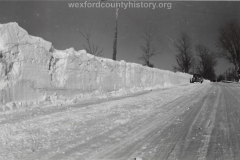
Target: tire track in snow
x=175 y=146
x=209 y=128
x=219 y=146
x=131 y=147
x=232 y=110
x=135 y=124
x=190 y=130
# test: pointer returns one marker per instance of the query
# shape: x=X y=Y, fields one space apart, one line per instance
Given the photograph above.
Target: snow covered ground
x=194 y=121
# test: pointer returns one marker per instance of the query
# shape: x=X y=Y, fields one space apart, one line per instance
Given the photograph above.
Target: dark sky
x=56 y=22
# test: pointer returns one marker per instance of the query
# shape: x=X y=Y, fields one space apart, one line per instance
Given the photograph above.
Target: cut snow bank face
x=32 y=73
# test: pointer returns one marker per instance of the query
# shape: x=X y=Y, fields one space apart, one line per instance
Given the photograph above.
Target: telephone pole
x=115 y=37
x=115 y=34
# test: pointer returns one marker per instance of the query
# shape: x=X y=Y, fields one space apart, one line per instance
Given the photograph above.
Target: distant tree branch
x=229 y=43
x=206 y=62
x=149 y=50
x=90 y=47
x=184 y=55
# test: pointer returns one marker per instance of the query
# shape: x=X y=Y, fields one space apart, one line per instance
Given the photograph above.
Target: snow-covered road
x=190 y=122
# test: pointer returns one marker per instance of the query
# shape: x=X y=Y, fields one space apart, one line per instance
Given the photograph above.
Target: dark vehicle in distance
x=196 y=78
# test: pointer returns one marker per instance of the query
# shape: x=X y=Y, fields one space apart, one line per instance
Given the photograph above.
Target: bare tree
x=149 y=50
x=229 y=42
x=90 y=47
x=184 y=56
x=206 y=62
x=194 y=66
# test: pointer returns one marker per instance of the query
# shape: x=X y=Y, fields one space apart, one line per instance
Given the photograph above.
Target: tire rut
x=146 y=133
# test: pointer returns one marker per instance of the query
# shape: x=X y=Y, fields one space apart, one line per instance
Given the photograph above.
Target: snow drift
x=33 y=73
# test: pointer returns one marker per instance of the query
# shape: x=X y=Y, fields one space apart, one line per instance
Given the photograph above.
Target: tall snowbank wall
x=32 y=73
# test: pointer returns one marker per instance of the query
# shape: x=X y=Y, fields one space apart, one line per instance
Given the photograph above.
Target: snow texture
x=33 y=73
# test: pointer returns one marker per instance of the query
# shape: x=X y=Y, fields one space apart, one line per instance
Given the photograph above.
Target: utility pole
x=115 y=36
x=116 y=33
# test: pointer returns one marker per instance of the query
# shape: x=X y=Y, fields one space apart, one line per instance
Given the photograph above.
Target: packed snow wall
x=33 y=73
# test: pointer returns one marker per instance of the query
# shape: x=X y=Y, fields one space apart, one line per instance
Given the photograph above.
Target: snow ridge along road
x=195 y=121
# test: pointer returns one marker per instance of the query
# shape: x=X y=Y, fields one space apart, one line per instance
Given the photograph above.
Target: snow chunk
x=11 y=34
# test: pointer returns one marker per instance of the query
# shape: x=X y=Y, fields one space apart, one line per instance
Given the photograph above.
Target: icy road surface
x=190 y=122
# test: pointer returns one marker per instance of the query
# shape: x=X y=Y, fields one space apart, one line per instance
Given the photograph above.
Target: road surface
x=190 y=122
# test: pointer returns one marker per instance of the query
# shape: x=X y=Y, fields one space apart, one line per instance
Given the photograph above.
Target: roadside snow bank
x=33 y=73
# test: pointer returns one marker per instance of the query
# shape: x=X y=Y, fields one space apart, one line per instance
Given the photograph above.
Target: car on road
x=196 y=78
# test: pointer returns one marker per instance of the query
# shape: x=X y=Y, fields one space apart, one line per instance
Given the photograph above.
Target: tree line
x=189 y=58
x=202 y=62
x=201 y=59
x=228 y=44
